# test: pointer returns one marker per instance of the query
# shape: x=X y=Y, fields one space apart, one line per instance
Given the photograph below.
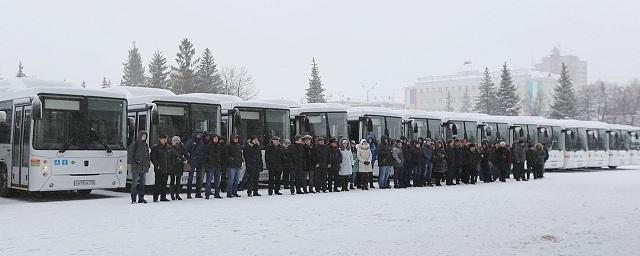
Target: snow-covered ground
x=579 y=213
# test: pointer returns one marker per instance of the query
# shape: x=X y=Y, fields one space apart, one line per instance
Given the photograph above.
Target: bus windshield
x=616 y=140
x=634 y=141
x=378 y=128
x=434 y=128
x=471 y=131
x=318 y=123
x=394 y=127
x=596 y=139
x=263 y=123
x=575 y=139
x=81 y=123
x=338 y=124
x=180 y=119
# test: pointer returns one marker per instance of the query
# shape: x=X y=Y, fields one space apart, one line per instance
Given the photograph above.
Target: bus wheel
x=613 y=167
x=84 y=192
x=5 y=191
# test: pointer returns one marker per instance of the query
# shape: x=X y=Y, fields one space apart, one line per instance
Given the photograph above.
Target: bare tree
x=238 y=82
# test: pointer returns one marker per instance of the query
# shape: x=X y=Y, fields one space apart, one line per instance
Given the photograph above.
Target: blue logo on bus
x=60 y=162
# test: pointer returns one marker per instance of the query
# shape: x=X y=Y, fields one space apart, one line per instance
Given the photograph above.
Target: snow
x=568 y=213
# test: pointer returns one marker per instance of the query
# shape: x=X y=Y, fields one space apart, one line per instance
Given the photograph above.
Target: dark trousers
x=333 y=179
x=213 y=173
x=252 y=180
x=451 y=175
x=364 y=180
x=174 y=184
x=298 y=181
x=343 y=181
x=407 y=172
x=437 y=177
x=503 y=171
x=198 y=173
x=418 y=175
x=518 y=171
x=274 y=181
x=285 y=178
x=312 y=178
x=160 y=188
x=321 y=179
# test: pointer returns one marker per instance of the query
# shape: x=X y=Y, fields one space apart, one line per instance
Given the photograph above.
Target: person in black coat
x=214 y=166
x=176 y=174
x=439 y=163
x=286 y=167
x=232 y=160
x=458 y=147
x=409 y=164
x=195 y=152
x=451 y=163
x=275 y=161
x=297 y=164
x=502 y=161
x=253 y=158
x=419 y=165
x=309 y=167
x=335 y=159
x=485 y=162
x=163 y=158
x=321 y=158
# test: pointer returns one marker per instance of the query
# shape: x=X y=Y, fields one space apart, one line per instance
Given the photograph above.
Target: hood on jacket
x=233 y=136
x=215 y=136
x=384 y=139
x=141 y=133
x=196 y=132
x=363 y=145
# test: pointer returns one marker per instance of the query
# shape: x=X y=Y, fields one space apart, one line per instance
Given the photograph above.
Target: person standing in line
x=531 y=162
x=409 y=164
x=176 y=174
x=373 y=145
x=502 y=156
x=163 y=158
x=355 y=174
x=346 y=165
x=474 y=156
x=540 y=158
x=519 y=157
x=309 y=163
x=232 y=158
x=458 y=147
x=195 y=150
x=138 y=157
x=439 y=163
x=485 y=165
x=297 y=163
x=385 y=161
x=214 y=166
x=321 y=156
x=275 y=160
x=419 y=165
x=451 y=163
x=364 y=162
x=286 y=167
x=427 y=153
x=253 y=158
x=335 y=159
x=398 y=162
x=223 y=166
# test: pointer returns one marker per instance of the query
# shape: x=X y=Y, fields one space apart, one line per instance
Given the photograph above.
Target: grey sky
x=355 y=42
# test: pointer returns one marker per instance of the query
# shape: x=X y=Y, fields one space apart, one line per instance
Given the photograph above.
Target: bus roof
x=355 y=113
x=455 y=116
x=596 y=125
x=26 y=87
x=230 y=101
x=322 y=107
x=413 y=113
x=143 y=95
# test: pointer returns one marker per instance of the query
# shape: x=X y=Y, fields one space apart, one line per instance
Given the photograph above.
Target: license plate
x=84 y=182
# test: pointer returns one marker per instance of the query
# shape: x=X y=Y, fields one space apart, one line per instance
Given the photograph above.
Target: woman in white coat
x=364 y=163
x=346 y=166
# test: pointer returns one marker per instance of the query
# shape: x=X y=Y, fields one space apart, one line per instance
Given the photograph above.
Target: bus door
x=20 y=148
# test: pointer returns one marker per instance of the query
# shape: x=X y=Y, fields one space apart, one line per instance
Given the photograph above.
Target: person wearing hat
x=321 y=161
x=286 y=166
x=519 y=157
x=253 y=158
x=385 y=161
x=502 y=160
x=365 y=164
x=214 y=166
x=297 y=163
x=335 y=159
x=309 y=166
x=163 y=158
x=275 y=160
x=195 y=151
x=232 y=159
x=138 y=158
x=176 y=174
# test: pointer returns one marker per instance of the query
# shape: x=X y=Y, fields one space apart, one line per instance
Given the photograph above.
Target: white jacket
x=347 y=162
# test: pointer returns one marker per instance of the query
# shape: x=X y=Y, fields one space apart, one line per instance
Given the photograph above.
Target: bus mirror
x=155 y=114
x=429 y=134
x=415 y=127
x=236 y=118
x=386 y=132
x=454 y=129
x=306 y=124
x=3 y=117
x=546 y=133
x=521 y=133
x=488 y=130
x=36 y=109
x=369 y=124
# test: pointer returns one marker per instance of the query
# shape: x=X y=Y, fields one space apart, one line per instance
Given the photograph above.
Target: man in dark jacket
x=309 y=168
x=502 y=160
x=451 y=163
x=253 y=159
x=195 y=151
x=138 y=158
x=296 y=157
x=163 y=158
x=233 y=161
x=460 y=161
x=519 y=157
x=275 y=160
x=409 y=164
x=214 y=166
x=427 y=153
x=385 y=161
x=320 y=156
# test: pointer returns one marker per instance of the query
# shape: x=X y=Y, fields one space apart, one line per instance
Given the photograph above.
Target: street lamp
x=369 y=89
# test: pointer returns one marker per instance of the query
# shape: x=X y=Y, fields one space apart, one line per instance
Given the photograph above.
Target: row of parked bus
x=58 y=136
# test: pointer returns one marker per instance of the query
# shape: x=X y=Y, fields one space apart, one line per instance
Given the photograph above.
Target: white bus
x=494 y=129
x=597 y=144
x=463 y=126
x=550 y=135
x=373 y=122
x=159 y=111
x=421 y=124
x=634 y=144
x=619 y=140
x=575 y=143
x=320 y=119
x=57 y=136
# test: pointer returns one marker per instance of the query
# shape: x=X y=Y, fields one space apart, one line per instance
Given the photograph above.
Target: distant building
x=553 y=64
x=377 y=103
x=430 y=93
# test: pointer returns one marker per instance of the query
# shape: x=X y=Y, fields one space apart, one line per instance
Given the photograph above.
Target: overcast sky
x=389 y=43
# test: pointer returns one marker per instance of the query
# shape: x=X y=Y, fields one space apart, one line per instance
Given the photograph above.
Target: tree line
x=190 y=74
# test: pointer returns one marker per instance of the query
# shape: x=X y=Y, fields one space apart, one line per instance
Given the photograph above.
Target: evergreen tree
x=84 y=85
x=449 y=101
x=20 y=70
x=105 y=83
x=207 y=77
x=133 y=69
x=159 y=71
x=183 y=76
x=486 y=100
x=508 y=101
x=466 y=102
x=315 y=92
x=564 y=99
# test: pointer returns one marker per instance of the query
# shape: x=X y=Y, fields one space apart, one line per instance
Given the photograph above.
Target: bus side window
x=131 y=128
x=224 y=128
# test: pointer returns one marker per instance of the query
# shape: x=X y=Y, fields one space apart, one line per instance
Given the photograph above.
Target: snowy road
x=584 y=213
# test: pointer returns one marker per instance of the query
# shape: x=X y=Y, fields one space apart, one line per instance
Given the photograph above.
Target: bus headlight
x=120 y=166
x=45 y=168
